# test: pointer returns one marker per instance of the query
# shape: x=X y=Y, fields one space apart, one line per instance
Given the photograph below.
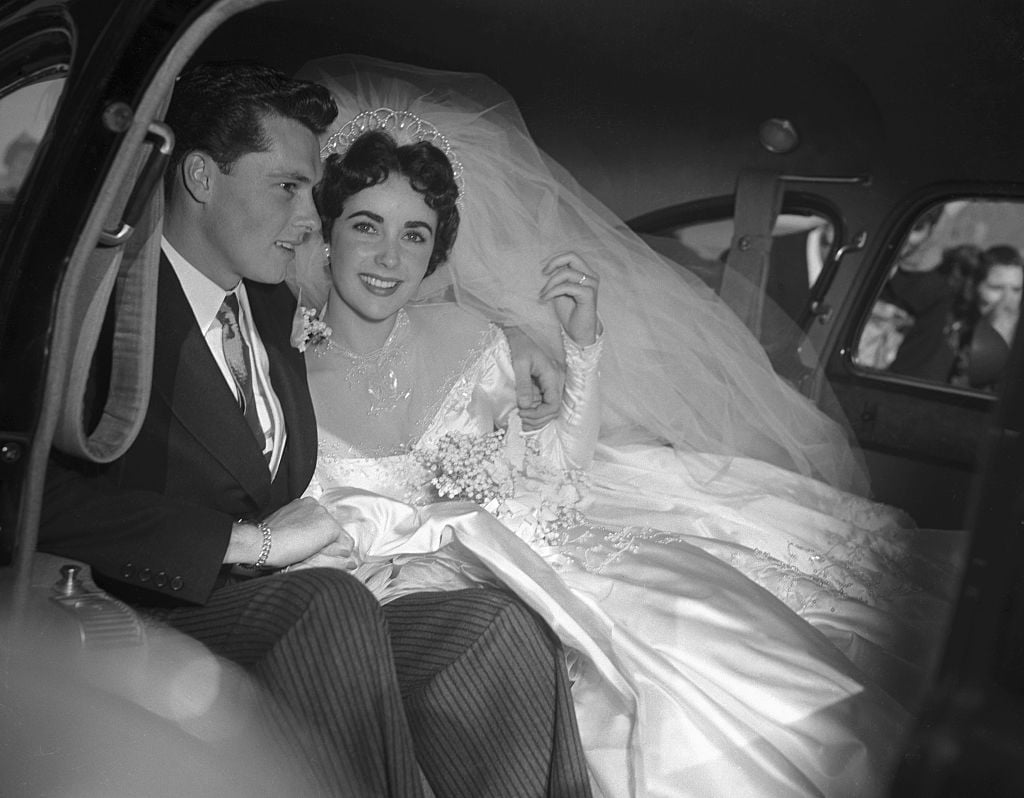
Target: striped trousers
x=468 y=686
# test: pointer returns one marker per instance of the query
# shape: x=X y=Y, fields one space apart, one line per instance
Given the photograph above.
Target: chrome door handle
x=152 y=173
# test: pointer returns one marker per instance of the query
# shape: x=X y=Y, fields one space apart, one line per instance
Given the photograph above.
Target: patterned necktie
x=236 y=353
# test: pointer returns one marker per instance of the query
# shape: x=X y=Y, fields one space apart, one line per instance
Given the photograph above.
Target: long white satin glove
x=569 y=442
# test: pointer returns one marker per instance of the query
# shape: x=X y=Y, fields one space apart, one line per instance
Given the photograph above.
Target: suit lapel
x=187 y=378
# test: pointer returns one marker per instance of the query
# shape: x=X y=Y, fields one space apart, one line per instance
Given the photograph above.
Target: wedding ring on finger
x=582 y=278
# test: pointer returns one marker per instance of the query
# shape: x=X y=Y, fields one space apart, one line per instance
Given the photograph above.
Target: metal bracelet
x=261 y=561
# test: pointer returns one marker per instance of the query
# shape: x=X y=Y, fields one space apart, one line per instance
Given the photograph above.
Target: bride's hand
x=572 y=286
x=346 y=562
x=339 y=554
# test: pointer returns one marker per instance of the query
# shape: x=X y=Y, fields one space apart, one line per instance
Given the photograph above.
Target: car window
x=25 y=113
x=949 y=306
x=801 y=248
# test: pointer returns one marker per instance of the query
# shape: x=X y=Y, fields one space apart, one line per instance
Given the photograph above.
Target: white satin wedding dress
x=733 y=628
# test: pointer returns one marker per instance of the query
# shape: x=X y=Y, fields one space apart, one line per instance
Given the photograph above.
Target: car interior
x=871 y=144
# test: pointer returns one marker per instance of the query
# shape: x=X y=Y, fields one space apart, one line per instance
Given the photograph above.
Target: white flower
x=308 y=330
x=470 y=467
x=508 y=476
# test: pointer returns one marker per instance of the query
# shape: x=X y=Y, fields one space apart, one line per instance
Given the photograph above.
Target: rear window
x=948 y=309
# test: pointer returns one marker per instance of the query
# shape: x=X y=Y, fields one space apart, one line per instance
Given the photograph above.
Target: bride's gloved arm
x=572 y=288
x=570 y=440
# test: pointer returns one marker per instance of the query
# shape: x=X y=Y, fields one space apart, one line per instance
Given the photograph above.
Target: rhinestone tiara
x=403 y=126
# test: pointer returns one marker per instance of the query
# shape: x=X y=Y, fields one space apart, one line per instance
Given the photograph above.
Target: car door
x=84 y=79
x=83 y=710
x=918 y=416
x=67 y=229
x=832 y=252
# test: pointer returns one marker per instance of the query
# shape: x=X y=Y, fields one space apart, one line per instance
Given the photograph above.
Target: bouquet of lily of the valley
x=506 y=473
x=469 y=467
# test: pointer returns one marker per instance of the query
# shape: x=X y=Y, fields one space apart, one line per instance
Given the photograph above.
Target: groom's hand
x=298 y=531
x=538 y=380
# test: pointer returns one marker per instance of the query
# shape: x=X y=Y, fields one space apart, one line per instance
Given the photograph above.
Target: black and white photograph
x=511 y=399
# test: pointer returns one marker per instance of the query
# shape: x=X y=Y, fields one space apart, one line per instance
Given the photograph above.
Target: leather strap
x=745 y=280
x=124 y=280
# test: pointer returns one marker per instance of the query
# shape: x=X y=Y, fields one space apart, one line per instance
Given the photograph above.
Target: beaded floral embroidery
x=377 y=371
x=547 y=498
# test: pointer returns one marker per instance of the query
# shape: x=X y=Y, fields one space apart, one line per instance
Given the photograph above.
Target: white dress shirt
x=205 y=298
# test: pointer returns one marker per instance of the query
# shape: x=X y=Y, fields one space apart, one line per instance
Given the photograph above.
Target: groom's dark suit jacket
x=154 y=525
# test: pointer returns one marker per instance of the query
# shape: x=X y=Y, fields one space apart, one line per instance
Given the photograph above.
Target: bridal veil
x=678 y=367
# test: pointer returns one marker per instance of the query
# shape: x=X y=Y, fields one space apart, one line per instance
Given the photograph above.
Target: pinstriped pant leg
x=487 y=696
x=316 y=640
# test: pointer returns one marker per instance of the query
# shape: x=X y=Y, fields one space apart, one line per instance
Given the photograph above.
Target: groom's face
x=262 y=208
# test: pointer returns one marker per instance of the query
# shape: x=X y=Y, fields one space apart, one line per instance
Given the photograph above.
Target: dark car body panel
x=104 y=64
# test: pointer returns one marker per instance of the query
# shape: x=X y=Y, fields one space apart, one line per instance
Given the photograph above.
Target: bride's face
x=380 y=248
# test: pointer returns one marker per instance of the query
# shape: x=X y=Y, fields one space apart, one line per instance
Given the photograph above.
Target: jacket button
x=160 y=580
x=145 y=574
x=127 y=571
x=177 y=583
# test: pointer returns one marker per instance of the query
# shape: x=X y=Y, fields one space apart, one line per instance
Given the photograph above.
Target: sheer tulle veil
x=678 y=366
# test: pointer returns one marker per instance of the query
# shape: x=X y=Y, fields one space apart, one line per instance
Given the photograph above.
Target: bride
x=736 y=625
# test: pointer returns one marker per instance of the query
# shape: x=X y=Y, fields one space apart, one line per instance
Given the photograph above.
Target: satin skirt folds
x=735 y=695
x=688 y=679
x=860 y=572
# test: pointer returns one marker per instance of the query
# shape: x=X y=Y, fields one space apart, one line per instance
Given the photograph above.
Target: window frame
x=892 y=236
x=798 y=364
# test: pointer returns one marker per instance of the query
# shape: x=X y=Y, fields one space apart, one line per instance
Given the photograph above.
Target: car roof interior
x=662 y=87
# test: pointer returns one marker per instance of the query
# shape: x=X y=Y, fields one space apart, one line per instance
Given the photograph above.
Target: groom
x=468 y=685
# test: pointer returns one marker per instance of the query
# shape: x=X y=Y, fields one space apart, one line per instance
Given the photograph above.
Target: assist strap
x=745 y=280
x=123 y=279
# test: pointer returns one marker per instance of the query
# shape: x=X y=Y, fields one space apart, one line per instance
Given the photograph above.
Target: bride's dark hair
x=371 y=159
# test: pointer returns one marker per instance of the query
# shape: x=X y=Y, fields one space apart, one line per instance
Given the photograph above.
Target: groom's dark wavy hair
x=370 y=160
x=218 y=107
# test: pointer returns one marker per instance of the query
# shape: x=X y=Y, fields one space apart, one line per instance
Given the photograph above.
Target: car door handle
x=857 y=243
x=152 y=173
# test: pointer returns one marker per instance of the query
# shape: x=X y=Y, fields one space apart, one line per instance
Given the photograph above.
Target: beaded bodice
x=473 y=401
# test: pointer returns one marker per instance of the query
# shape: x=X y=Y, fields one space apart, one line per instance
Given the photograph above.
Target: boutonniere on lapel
x=308 y=329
